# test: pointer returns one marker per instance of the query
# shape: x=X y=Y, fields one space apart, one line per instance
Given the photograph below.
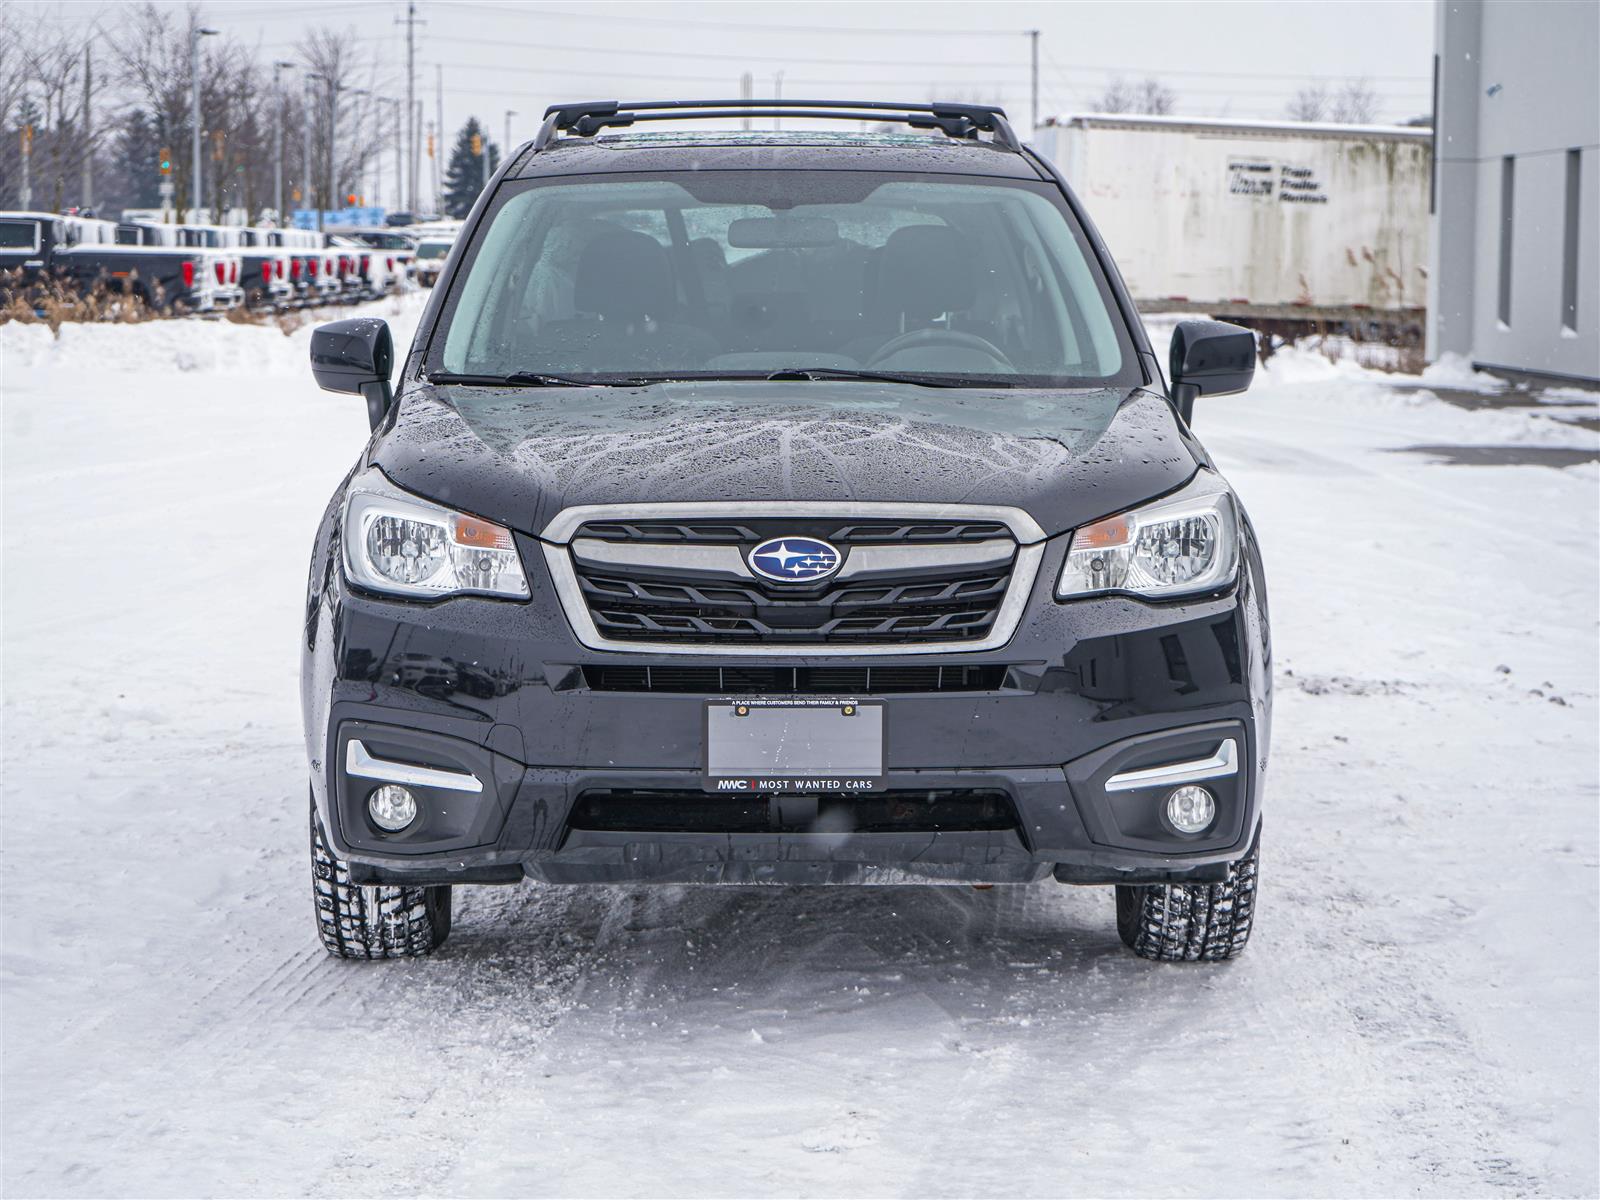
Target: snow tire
x=373 y=921
x=1191 y=922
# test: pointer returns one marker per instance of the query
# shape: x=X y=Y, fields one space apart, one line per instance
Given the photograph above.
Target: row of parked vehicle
x=205 y=268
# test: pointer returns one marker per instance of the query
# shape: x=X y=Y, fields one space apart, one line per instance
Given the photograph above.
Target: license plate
x=819 y=744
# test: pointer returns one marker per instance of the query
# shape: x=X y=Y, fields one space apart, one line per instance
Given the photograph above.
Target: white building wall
x=1516 y=80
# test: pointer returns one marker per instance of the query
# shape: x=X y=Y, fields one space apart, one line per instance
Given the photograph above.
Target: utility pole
x=306 y=190
x=438 y=130
x=195 y=35
x=399 y=169
x=277 y=139
x=330 y=178
x=1033 y=39
x=747 y=84
x=26 y=196
x=411 y=23
x=777 y=94
x=507 y=151
x=361 y=146
x=88 y=138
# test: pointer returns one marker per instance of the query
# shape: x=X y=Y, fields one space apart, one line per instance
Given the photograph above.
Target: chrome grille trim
x=1024 y=572
x=569 y=520
x=860 y=561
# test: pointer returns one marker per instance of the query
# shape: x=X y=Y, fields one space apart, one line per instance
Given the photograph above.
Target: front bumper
x=498 y=691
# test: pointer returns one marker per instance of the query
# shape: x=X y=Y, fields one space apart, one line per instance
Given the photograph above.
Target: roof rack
x=961 y=121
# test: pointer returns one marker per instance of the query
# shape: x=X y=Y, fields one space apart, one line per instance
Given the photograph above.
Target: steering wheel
x=940 y=337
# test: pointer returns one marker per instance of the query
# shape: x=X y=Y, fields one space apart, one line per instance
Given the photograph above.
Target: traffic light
x=217 y=138
x=164 y=163
x=295 y=195
x=350 y=198
x=477 y=144
x=430 y=145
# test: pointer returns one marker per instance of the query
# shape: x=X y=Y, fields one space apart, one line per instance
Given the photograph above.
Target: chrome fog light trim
x=358 y=761
x=1224 y=762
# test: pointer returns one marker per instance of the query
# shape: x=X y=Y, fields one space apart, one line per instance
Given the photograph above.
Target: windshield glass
x=745 y=273
x=433 y=249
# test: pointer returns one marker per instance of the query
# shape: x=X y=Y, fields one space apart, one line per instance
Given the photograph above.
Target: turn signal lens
x=1184 y=544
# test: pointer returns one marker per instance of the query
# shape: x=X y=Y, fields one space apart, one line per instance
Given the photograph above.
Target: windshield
x=433 y=249
x=741 y=274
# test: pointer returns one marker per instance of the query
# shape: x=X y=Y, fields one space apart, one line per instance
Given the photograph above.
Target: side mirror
x=1209 y=358
x=355 y=356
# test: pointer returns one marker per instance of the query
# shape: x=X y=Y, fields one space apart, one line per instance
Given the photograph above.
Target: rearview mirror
x=355 y=356
x=780 y=233
x=1209 y=358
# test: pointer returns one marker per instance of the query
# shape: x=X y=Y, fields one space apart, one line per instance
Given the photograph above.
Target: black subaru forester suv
x=784 y=507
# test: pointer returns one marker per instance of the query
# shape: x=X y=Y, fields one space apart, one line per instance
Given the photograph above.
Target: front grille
x=797 y=681
x=839 y=531
x=920 y=601
x=617 y=810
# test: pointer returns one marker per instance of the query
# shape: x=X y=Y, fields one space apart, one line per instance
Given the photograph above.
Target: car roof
x=772 y=150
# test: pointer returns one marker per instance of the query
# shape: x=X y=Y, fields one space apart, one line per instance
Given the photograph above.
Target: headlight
x=396 y=542
x=1184 y=544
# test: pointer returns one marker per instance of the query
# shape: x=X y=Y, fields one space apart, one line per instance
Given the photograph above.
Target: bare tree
x=341 y=150
x=141 y=104
x=1356 y=103
x=1309 y=104
x=1145 y=96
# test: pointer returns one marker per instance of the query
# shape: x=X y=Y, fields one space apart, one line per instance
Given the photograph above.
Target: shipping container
x=1268 y=220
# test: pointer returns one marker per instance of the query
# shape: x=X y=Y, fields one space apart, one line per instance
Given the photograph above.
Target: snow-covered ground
x=1416 y=1015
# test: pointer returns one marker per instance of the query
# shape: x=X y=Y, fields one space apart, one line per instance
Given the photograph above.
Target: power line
x=606 y=51
x=922 y=78
x=675 y=23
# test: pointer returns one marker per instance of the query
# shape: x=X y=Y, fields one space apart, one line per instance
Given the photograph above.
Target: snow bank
x=194 y=345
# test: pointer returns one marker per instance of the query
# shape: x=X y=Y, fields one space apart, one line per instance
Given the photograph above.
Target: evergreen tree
x=468 y=172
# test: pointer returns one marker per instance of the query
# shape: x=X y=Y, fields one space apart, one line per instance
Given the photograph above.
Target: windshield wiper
x=932 y=381
x=532 y=379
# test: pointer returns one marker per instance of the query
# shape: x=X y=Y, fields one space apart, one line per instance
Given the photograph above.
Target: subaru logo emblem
x=794 y=559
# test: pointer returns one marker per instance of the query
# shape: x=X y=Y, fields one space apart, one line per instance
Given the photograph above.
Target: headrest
x=926 y=270
x=623 y=275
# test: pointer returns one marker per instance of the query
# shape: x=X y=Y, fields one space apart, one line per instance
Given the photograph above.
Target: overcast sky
x=1241 y=59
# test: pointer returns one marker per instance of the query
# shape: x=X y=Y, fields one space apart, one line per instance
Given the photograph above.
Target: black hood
x=520 y=455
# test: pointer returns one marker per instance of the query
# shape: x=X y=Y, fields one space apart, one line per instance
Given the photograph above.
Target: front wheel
x=373 y=921
x=1191 y=922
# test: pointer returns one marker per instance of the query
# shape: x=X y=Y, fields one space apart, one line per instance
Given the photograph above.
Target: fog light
x=1190 y=809
x=393 y=807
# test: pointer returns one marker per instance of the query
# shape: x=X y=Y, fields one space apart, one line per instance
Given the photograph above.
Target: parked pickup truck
x=304 y=251
x=81 y=252
x=399 y=251
x=255 y=266
x=367 y=273
x=218 y=268
x=431 y=253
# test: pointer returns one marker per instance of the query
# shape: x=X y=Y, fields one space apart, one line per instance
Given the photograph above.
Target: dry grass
x=52 y=301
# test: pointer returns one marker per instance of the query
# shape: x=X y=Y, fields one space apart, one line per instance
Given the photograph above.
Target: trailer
x=1285 y=226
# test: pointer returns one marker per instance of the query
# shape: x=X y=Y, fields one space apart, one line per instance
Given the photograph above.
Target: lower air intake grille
x=793 y=681
x=963 y=809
